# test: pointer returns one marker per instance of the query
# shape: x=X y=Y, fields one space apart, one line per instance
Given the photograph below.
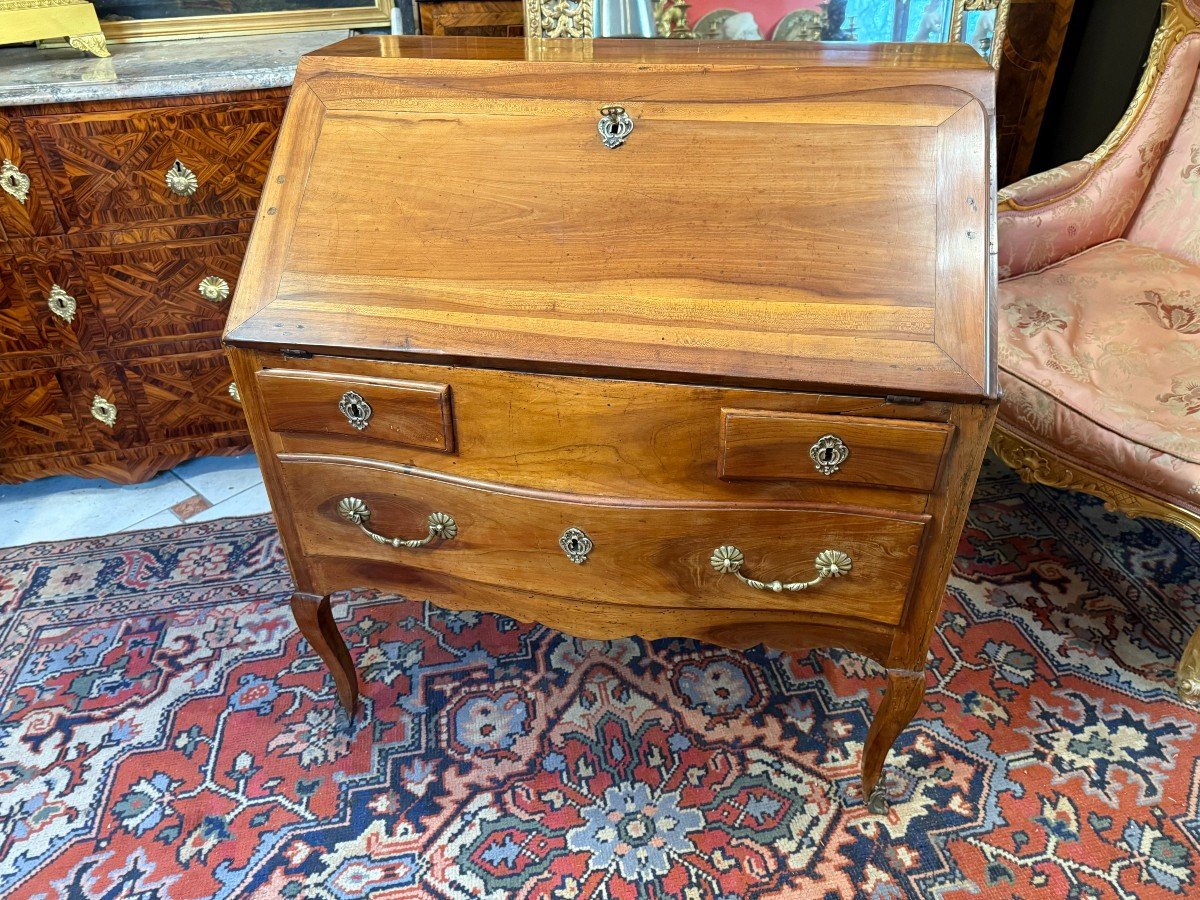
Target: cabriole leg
x=905 y=691
x=315 y=618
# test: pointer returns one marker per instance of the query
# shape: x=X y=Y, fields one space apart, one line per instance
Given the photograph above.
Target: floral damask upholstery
x=1100 y=295
x=1102 y=354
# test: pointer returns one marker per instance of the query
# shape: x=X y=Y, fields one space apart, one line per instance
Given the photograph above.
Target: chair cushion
x=1100 y=356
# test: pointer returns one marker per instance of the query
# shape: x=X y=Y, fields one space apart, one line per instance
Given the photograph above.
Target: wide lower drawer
x=625 y=552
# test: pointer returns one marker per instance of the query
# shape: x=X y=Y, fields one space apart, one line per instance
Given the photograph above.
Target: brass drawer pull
x=614 y=126
x=14 y=182
x=355 y=511
x=181 y=180
x=61 y=304
x=103 y=411
x=830 y=564
x=214 y=288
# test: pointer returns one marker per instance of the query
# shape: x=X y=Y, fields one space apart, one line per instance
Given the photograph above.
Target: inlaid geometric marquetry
x=108 y=169
x=148 y=292
x=35 y=215
x=37 y=267
x=101 y=226
x=82 y=384
x=35 y=415
x=17 y=332
x=184 y=396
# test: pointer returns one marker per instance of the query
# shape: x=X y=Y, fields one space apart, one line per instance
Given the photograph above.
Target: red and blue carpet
x=165 y=734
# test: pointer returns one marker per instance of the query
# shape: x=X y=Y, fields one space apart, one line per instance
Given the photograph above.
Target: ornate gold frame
x=373 y=14
x=1037 y=463
x=958 y=20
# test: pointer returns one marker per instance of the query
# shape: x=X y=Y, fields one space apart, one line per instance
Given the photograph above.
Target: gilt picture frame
x=124 y=21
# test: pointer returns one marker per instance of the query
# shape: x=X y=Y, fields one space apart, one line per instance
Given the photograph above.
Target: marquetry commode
x=682 y=340
x=122 y=229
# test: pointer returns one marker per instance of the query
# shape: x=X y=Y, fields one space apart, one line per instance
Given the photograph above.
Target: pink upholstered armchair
x=1100 y=307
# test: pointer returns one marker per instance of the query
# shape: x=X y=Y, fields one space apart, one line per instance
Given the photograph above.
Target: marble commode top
x=155 y=69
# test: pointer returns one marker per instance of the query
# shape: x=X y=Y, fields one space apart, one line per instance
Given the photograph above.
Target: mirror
x=979 y=23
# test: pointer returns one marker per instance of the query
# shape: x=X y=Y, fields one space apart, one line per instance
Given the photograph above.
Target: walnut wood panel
x=35 y=215
x=36 y=416
x=107 y=169
x=150 y=292
x=38 y=265
x=757 y=444
x=621 y=438
x=412 y=413
x=535 y=254
x=473 y=18
x=646 y=554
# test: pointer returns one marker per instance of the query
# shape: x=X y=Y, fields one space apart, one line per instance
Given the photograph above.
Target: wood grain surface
x=412 y=413
x=883 y=452
x=646 y=554
x=830 y=234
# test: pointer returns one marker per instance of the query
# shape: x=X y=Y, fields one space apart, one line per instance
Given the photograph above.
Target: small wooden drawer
x=646 y=554
x=766 y=445
x=412 y=413
x=109 y=169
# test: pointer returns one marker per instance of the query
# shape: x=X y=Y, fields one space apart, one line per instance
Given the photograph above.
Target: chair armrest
x=1049 y=217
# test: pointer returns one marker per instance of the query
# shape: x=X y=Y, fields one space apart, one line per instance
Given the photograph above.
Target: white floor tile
x=159 y=520
x=65 y=507
x=217 y=478
x=248 y=503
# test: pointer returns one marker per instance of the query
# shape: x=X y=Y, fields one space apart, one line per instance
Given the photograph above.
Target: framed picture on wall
x=133 y=20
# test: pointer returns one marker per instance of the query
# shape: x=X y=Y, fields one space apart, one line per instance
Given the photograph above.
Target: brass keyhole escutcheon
x=828 y=454
x=614 y=126
x=356 y=409
x=13 y=181
x=576 y=544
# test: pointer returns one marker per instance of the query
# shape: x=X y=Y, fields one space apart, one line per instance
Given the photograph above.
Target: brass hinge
x=295 y=354
x=903 y=399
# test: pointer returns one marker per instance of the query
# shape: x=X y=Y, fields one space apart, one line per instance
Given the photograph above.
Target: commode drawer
x=412 y=413
x=120 y=167
x=761 y=444
x=827 y=561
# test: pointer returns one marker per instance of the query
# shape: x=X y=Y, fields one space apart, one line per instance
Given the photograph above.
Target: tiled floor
x=63 y=507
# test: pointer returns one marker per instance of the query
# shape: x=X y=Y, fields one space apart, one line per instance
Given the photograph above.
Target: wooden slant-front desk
x=677 y=339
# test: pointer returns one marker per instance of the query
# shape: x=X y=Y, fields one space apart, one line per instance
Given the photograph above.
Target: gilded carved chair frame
x=1037 y=463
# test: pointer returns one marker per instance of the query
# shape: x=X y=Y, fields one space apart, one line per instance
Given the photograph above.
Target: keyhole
x=356 y=410
x=573 y=543
x=177 y=167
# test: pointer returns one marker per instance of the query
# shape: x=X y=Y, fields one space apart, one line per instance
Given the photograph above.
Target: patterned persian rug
x=164 y=733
